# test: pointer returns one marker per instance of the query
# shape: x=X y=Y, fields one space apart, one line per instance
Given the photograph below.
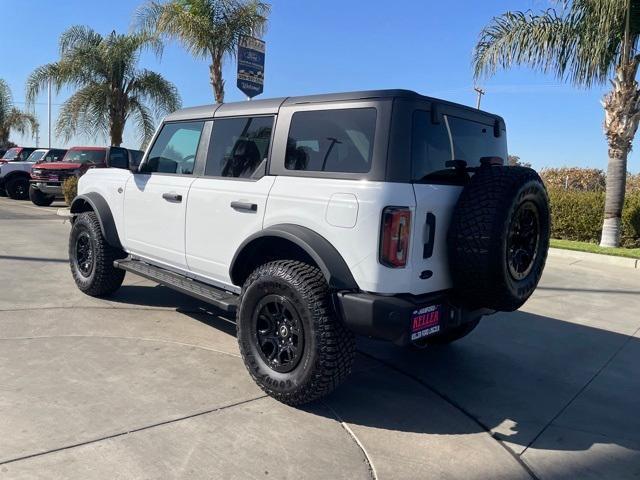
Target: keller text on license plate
x=425 y=321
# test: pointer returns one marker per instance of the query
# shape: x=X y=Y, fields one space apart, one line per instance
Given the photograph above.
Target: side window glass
x=175 y=149
x=238 y=146
x=331 y=140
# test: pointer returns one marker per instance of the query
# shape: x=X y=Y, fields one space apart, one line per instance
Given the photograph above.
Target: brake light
x=394 y=241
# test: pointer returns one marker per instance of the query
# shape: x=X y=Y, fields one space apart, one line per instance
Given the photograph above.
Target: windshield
x=11 y=154
x=36 y=156
x=454 y=138
x=84 y=156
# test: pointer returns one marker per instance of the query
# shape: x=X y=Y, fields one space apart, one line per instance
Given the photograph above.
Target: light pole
x=49 y=113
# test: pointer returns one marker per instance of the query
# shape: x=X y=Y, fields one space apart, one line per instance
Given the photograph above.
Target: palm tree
x=13 y=119
x=109 y=88
x=208 y=29
x=585 y=42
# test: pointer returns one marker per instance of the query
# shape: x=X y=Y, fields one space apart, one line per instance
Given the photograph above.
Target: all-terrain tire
x=487 y=244
x=328 y=346
x=93 y=273
x=18 y=188
x=40 y=199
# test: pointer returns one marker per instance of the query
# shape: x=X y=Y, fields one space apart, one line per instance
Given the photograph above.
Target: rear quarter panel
x=326 y=207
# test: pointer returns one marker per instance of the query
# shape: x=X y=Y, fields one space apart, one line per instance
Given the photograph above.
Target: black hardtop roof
x=272 y=105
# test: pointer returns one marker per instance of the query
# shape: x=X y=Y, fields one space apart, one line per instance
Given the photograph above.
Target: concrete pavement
x=149 y=384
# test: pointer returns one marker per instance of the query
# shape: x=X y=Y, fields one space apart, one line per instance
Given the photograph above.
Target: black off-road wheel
x=91 y=258
x=499 y=237
x=292 y=342
x=18 y=188
x=40 y=199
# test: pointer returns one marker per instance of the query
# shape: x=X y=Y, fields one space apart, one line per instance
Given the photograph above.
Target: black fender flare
x=16 y=173
x=99 y=205
x=321 y=251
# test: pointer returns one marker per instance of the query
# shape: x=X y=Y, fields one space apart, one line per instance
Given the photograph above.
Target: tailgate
x=434 y=207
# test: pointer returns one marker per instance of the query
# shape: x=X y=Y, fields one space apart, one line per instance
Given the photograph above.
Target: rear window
x=331 y=140
x=85 y=156
x=453 y=138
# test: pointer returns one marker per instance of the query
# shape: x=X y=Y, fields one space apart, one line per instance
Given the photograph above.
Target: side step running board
x=218 y=297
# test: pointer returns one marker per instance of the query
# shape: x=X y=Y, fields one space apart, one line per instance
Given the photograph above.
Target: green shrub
x=70 y=189
x=578 y=215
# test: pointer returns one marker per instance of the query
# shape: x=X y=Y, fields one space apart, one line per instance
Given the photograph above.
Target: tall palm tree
x=109 y=88
x=13 y=119
x=208 y=29
x=585 y=42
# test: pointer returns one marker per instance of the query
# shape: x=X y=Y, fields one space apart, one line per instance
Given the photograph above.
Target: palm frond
x=152 y=88
x=21 y=122
x=581 y=41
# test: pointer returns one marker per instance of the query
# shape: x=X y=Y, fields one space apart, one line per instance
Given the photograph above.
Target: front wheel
x=39 y=198
x=18 y=188
x=292 y=342
x=91 y=258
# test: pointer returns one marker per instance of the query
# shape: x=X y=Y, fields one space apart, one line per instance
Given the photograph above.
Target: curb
x=595 y=257
x=64 y=213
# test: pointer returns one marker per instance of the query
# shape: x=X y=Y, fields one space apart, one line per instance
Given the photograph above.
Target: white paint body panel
x=304 y=201
x=214 y=230
x=110 y=184
x=154 y=227
x=200 y=235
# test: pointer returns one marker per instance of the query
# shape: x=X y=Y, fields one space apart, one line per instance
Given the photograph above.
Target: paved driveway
x=149 y=384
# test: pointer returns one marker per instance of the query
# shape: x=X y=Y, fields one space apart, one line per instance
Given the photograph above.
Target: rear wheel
x=18 y=188
x=40 y=199
x=292 y=342
x=91 y=257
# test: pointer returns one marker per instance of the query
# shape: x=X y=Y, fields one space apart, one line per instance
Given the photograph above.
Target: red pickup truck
x=46 y=179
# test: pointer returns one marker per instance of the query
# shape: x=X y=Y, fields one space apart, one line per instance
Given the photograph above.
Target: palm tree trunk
x=217 y=82
x=622 y=113
x=115 y=132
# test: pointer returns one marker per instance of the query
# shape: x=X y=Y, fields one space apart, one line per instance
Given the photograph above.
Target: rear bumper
x=48 y=188
x=391 y=317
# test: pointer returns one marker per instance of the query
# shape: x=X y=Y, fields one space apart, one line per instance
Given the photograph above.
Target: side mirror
x=133 y=168
x=118 y=158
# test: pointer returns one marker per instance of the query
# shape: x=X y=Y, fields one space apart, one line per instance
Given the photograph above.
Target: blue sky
x=341 y=45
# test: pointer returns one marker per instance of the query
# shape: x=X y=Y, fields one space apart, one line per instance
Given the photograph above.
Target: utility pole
x=49 y=113
x=481 y=92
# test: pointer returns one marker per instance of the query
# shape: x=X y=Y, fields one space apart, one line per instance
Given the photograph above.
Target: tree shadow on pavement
x=518 y=375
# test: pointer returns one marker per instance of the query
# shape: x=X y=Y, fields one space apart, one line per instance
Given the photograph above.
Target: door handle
x=246 y=206
x=172 y=197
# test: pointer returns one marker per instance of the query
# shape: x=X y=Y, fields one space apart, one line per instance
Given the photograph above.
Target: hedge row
x=578 y=215
x=585 y=179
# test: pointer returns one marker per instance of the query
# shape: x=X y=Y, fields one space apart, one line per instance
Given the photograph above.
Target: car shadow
x=518 y=375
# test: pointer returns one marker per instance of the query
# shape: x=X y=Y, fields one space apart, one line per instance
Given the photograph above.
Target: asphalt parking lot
x=149 y=384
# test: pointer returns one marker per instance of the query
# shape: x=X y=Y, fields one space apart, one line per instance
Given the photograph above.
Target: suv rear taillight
x=394 y=241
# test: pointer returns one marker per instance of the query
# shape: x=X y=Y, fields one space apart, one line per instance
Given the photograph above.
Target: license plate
x=52 y=178
x=425 y=321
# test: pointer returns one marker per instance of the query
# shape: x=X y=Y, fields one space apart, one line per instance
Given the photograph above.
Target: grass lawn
x=593 y=248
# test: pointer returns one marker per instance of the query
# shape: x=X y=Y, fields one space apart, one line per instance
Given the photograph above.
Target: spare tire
x=499 y=237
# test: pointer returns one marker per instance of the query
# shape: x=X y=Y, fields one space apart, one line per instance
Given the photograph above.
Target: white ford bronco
x=381 y=213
